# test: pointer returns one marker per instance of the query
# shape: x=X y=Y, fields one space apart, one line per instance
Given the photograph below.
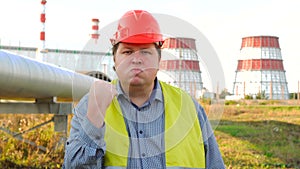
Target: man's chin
x=135 y=83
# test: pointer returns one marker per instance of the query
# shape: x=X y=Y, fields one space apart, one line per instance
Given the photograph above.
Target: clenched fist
x=101 y=95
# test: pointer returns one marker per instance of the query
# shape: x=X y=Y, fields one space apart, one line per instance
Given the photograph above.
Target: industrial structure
x=95 y=64
x=43 y=32
x=95 y=28
x=24 y=77
x=260 y=70
x=180 y=65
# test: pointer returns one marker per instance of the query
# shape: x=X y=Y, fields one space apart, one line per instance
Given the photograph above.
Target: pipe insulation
x=24 y=77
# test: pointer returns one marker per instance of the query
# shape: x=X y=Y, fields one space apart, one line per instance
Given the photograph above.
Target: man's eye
x=127 y=52
x=145 y=52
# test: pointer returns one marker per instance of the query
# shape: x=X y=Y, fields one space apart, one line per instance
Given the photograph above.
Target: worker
x=138 y=121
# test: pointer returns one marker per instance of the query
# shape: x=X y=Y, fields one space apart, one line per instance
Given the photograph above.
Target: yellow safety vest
x=183 y=137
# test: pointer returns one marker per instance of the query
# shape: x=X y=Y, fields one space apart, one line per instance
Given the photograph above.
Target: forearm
x=78 y=155
x=85 y=146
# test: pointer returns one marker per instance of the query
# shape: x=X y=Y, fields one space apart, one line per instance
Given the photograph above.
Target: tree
x=224 y=93
x=261 y=95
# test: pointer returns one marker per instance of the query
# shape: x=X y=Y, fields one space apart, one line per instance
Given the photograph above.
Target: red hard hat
x=137 y=26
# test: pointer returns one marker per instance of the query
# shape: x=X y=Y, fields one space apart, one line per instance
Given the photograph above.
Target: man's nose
x=136 y=57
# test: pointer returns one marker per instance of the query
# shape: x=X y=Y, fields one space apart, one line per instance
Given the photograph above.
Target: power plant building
x=260 y=69
x=179 y=65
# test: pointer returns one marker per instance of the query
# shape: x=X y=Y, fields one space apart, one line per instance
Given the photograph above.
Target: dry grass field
x=260 y=134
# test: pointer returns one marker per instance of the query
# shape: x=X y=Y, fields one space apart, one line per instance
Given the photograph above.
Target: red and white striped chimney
x=43 y=20
x=95 y=27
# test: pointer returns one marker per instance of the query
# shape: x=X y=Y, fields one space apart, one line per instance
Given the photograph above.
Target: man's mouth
x=136 y=71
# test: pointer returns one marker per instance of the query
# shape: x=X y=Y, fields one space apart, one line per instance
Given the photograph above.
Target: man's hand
x=101 y=95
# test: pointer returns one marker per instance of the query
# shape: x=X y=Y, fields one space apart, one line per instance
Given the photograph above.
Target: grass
x=255 y=136
x=250 y=135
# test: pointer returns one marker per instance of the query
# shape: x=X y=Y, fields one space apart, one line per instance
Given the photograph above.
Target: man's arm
x=212 y=152
x=85 y=146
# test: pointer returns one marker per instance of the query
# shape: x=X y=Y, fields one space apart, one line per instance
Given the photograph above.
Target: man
x=137 y=121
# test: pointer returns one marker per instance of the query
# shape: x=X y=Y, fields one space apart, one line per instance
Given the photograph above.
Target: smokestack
x=95 y=27
x=43 y=20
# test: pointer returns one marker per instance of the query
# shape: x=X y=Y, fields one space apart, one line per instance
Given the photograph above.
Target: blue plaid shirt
x=145 y=125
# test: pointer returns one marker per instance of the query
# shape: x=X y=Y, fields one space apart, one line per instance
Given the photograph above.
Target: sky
x=223 y=23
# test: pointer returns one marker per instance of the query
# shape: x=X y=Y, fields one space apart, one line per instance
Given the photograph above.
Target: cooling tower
x=260 y=69
x=180 y=65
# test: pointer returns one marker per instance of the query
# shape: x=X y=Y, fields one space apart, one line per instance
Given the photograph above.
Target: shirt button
x=143 y=154
x=141 y=132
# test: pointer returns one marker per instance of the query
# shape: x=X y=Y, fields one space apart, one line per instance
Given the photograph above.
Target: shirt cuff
x=95 y=134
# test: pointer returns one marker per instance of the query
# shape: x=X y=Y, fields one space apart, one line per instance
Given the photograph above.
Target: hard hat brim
x=143 y=38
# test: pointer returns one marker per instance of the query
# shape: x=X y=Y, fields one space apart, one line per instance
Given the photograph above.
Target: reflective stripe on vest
x=183 y=137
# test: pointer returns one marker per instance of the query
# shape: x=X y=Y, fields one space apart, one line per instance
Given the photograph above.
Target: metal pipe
x=23 y=77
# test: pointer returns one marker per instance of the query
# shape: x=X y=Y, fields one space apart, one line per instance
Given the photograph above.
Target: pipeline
x=23 y=77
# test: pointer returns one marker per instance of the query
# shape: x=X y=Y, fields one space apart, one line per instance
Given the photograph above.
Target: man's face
x=136 y=64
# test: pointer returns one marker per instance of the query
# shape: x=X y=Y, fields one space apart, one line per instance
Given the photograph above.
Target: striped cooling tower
x=181 y=64
x=260 y=69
